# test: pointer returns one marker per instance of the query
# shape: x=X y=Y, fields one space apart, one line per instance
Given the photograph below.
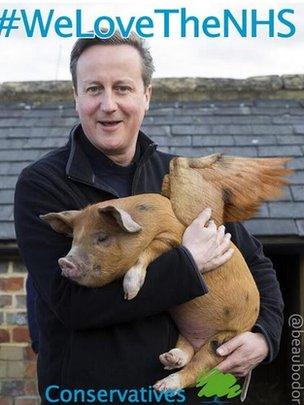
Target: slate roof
x=246 y=128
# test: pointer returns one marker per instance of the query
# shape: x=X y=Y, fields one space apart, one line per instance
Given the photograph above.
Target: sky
x=37 y=58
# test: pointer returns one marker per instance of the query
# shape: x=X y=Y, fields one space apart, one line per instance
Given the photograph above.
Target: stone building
x=261 y=116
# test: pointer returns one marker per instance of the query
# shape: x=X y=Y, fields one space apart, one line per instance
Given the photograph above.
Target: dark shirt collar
x=79 y=167
x=100 y=162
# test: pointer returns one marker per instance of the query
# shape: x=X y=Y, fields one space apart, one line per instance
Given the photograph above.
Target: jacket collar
x=78 y=167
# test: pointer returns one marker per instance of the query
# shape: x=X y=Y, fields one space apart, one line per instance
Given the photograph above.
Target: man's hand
x=209 y=245
x=244 y=352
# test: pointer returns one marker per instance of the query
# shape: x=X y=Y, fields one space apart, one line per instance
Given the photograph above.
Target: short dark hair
x=116 y=39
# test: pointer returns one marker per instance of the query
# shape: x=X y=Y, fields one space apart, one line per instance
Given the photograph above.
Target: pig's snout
x=69 y=269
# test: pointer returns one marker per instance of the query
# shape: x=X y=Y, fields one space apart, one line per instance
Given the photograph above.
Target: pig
x=119 y=238
x=115 y=235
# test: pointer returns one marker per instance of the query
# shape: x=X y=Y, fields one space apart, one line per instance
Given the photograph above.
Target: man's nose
x=108 y=103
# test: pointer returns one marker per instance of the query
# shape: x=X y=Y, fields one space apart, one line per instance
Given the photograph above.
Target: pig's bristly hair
x=245 y=182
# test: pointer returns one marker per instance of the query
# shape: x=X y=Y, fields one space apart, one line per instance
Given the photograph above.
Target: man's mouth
x=109 y=123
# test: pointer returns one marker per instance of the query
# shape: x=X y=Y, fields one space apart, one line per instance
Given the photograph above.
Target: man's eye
x=123 y=89
x=93 y=89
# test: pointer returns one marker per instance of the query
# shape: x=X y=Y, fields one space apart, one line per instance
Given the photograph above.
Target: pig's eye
x=102 y=237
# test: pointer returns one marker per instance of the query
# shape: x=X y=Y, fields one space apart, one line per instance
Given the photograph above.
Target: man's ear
x=122 y=217
x=148 y=94
x=61 y=222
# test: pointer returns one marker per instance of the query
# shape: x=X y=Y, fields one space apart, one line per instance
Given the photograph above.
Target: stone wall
x=173 y=89
x=17 y=360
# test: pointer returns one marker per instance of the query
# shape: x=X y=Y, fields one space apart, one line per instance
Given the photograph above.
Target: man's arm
x=270 y=320
x=79 y=307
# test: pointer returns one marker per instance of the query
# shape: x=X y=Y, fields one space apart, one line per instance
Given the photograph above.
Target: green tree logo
x=216 y=383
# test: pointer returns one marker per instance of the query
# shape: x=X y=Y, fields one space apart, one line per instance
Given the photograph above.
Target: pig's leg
x=179 y=356
x=203 y=361
x=135 y=276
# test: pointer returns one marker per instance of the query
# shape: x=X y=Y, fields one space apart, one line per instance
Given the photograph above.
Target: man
x=93 y=338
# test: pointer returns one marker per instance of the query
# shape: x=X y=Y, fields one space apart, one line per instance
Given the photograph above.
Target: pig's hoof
x=175 y=358
x=129 y=295
x=172 y=382
x=133 y=280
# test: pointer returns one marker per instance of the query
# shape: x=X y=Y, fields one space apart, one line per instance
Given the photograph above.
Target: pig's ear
x=61 y=222
x=122 y=217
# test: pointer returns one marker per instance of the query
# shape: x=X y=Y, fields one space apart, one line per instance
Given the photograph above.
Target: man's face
x=111 y=99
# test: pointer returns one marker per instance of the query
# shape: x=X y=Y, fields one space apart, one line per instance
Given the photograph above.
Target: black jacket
x=93 y=338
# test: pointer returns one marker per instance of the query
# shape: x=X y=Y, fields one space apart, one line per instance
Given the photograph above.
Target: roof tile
x=6 y=196
x=298 y=193
x=5 y=211
x=191 y=151
x=10 y=168
x=16 y=156
x=241 y=140
x=7 y=182
x=212 y=140
x=286 y=209
x=299 y=129
x=191 y=129
x=245 y=128
x=290 y=139
x=7 y=231
x=272 y=227
x=156 y=130
x=252 y=129
x=248 y=151
x=288 y=119
x=296 y=163
x=297 y=177
x=300 y=226
x=277 y=103
x=279 y=151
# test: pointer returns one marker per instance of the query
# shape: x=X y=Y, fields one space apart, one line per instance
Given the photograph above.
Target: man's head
x=112 y=92
x=133 y=40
